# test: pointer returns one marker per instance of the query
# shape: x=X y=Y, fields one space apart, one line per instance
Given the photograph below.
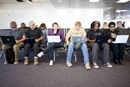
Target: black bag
x=10 y=57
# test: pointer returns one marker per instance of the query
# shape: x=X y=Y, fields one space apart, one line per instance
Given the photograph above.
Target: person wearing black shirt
x=91 y=36
x=36 y=34
x=117 y=48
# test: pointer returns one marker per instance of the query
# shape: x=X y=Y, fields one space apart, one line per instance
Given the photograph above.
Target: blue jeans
x=84 y=49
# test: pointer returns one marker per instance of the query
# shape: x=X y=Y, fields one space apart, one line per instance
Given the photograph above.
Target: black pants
x=118 y=51
x=50 y=48
x=27 y=47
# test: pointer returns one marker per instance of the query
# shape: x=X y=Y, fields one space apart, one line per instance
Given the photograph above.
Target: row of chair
x=4 y=32
x=122 y=31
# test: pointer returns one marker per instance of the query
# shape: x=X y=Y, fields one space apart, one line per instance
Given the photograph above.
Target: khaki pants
x=16 y=49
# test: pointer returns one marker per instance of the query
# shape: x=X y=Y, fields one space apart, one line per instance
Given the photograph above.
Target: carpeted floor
x=60 y=75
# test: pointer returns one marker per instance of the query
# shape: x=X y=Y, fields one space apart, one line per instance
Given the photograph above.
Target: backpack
x=10 y=56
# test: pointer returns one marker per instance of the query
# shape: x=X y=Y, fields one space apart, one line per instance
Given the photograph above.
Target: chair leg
x=1 y=55
x=57 y=53
x=128 y=52
x=75 y=56
x=54 y=53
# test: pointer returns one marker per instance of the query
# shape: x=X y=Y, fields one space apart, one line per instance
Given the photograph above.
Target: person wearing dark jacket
x=91 y=36
x=33 y=34
x=117 y=48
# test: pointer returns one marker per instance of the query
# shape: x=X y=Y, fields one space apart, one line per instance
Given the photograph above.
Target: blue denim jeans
x=84 y=49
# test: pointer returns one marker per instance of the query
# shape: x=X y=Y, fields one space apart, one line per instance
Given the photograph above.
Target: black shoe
x=120 y=62
x=116 y=62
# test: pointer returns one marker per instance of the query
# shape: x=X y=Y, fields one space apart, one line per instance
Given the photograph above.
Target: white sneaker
x=108 y=65
x=5 y=62
x=69 y=64
x=51 y=62
x=40 y=54
x=95 y=66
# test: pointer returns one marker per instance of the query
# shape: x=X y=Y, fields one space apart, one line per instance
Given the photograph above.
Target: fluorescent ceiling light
x=118 y=11
x=122 y=1
x=59 y=0
x=94 y=0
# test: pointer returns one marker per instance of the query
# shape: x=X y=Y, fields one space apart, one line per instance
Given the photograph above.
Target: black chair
x=55 y=52
x=3 y=32
x=1 y=55
x=126 y=32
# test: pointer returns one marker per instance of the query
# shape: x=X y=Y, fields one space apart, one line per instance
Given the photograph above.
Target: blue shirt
x=18 y=34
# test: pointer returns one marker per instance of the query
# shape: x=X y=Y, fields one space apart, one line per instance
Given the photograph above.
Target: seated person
x=34 y=34
x=77 y=31
x=19 y=38
x=50 y=48
x=44 y=31
x=117 y=48
x=23 y=25
x=119 y=25
x=91 y=36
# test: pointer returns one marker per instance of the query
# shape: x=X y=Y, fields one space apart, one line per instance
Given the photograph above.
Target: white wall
x=65 y=17
x=46 y=13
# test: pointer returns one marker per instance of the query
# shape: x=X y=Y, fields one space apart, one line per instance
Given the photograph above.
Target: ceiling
x=15 y=2
x=107 y=5
x=75 y=3
x=87 y=4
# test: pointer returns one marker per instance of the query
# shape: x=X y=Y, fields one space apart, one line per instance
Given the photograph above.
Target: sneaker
x=120 y=62
x=5 y=62
x=40 y=54
x=116 y=62
x=36 y=62
x=108 y=64
x=87 y=66
x=16 y=62
x=95 y=66
x=69 y=64
x=51 y=62
x=26 y=62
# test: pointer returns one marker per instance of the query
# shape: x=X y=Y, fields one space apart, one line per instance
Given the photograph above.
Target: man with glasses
x=117 y=48
x=33 y=34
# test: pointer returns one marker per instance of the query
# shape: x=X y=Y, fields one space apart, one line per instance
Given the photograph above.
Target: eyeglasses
x=112 y=26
